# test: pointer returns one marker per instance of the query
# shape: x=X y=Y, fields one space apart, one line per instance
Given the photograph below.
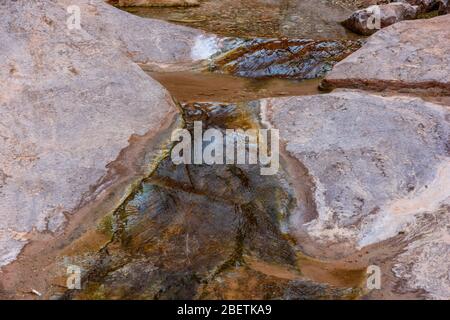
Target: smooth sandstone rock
x=364 y=151
x=370 y=20
x=313 y=19
x=145 y=41
x=70 y=102
x=380 y=166
x=401 y=57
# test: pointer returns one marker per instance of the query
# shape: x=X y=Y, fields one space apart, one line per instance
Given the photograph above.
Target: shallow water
x=219 y=231
x=193 y=231
x=203 y=87
x=281 y=58
x=316 y=19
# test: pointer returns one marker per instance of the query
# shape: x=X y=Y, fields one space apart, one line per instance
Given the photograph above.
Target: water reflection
x=317 y=19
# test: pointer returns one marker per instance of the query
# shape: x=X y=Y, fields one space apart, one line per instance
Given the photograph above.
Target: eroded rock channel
x=221 y=231
x=202 y=231
x=362 y=178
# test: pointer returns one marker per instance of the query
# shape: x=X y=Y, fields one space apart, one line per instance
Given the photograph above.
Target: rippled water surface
x=317 y=19
x=204 y=87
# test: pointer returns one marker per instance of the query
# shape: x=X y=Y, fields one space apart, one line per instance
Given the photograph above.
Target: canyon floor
x=86 y=177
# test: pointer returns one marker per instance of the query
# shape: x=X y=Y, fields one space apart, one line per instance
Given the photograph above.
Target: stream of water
x=316 y=19
x=200 y=231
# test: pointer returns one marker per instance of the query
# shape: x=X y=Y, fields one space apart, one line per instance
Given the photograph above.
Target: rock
x=188 y=226
x=144 y=40
x=444 y=7
x=370 y=20
x=155 y=3
x=304 y=290
x=73 y=105
x=282 y=58
x=424 y=5
x=401 y=57
x=380 y=166
x=396 y=147
x=424 y=264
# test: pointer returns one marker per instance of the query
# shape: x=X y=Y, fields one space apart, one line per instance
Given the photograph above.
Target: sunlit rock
x=380 y=167
x=401 y=57
x=71 y=101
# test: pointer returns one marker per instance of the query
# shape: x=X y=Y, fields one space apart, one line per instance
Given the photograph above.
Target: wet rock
x=155 y=3
x=402 y=57
x=380 y=166
x=306 y=290
x=186 y=226
x=370 y=20
x=247 y=283
x=297 y=59
x=71 y=102
x=203 y=232
x=396 y=147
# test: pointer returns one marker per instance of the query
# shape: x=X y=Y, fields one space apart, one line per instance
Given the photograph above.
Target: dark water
x=195 y=231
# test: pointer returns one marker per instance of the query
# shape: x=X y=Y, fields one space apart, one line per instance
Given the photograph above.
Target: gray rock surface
x=70 y=101
x=380 y=166
x=397 y=58
x=424 y=265
x=143 y=40
x=370 y=20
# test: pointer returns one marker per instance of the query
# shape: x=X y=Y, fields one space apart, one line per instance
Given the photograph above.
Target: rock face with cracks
x=70 y=101
x=142 y=40
x=202 y=232
x=380 y=166
x=401 y=57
